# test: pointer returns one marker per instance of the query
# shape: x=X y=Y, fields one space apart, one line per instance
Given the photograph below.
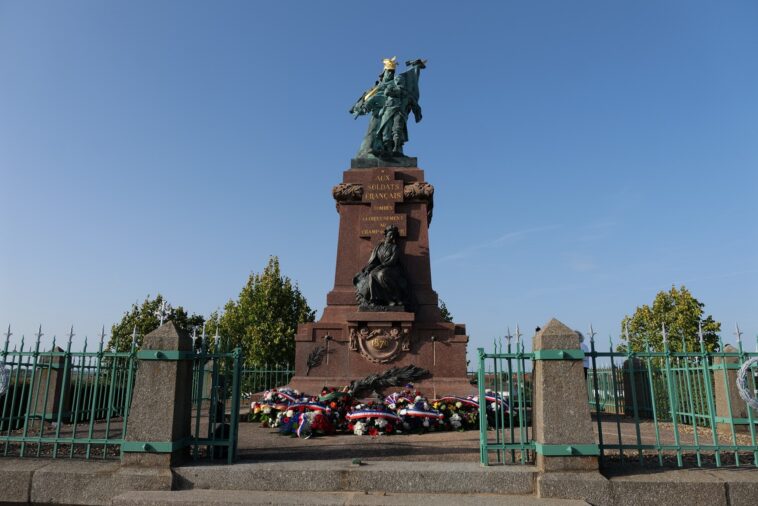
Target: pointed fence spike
x=737 y=332
x=700 y=332
x=70 y=338
x=663 y=332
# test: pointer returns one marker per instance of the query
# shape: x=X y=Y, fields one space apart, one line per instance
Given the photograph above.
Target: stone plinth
x=359 y=343
x=162 y=400
x=53 y=395
x=561 y=413
x=637 y=377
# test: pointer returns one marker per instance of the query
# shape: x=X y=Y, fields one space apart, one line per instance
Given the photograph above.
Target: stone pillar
x=49 y=388
x=563 y=431
x=159 y=423
x=729 y=404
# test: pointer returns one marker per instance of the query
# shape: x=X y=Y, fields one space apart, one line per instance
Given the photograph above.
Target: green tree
x=145 y=318
x=445 y=312
x=681 y=312
x=264 y=318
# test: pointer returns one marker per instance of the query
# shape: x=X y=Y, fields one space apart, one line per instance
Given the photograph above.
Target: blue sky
x=585 y=154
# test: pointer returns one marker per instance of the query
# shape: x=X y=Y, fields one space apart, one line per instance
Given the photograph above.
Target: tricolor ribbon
x=362 y=415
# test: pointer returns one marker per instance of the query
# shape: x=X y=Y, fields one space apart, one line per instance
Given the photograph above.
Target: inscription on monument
x=383 y=191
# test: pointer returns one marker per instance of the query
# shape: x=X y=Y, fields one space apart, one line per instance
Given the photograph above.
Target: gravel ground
x=257 y=443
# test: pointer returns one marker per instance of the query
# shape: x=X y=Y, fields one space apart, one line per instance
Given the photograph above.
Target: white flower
x=290 y=413
x=418 y=398
x=455 y=421
x=493 y=405
x=266 y=409
x=402 y=412
x=391 y=406
x=381 y=423
x=425 y=423
x=426 y=406
x=458 y=404
x=359 y=428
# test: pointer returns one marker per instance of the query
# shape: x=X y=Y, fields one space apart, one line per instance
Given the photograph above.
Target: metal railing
x=60 y=403
x=505 y=404
x=258 y=379
x=661 y=407
x=253 y=380
x=215 y=416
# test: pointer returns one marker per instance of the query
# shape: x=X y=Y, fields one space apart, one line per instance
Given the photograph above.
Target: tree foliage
x=681 y=312
x=145 y=318
x=264 y=318
x=445 y=312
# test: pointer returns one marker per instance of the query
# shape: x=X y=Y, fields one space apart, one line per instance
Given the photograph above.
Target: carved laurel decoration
x=418 y=191
x=423 y=192
x=347 y=192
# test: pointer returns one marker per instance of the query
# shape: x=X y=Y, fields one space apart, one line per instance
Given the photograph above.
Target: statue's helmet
x=390 y=63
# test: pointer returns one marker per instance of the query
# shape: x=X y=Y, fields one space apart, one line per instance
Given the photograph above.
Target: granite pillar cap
x=168 y=337
x=556 y=336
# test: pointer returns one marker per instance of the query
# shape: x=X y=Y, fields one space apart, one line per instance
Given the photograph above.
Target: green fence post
x=235 y=408
x=483 y=453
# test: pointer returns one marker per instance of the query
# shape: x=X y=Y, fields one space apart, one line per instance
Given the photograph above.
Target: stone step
x=373 y=476
x=234 y=497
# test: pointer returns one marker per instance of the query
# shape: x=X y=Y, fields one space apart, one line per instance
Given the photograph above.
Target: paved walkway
x=264 y=444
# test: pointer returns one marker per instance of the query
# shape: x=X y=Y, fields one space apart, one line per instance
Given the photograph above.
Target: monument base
x=372 y=162
x=350 y=343
x=373 y=342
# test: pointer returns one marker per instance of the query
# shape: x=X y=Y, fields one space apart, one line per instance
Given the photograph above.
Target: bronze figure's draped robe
x=382 y=282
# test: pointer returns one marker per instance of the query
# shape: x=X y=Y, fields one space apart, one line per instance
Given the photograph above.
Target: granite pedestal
x=362 y=342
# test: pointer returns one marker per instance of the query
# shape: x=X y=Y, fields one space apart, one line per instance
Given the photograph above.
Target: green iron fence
x=663 y=408
x=258 y=379
x=253 y=379
x=75 y=404
x=505 y=405
x=217 y=371
x=59 y=403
